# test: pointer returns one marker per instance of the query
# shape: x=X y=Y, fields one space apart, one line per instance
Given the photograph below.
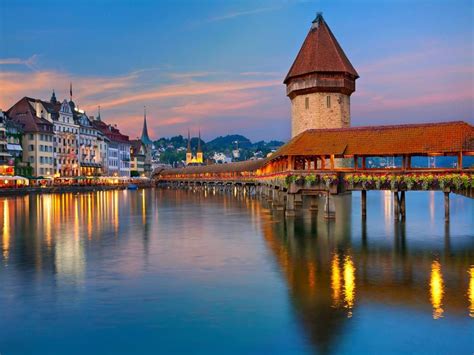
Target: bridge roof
x=427 y=138
x=248 y=165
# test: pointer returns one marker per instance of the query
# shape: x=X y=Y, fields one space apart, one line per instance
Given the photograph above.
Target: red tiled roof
x=320 y=52
x=445 y=138
x=25 y=115
x=248 y=165
x=110 y=132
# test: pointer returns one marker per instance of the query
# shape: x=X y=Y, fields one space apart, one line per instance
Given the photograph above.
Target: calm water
x=154 y=271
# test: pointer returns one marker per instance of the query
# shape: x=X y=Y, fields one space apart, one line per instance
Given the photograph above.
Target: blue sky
x=219 y=65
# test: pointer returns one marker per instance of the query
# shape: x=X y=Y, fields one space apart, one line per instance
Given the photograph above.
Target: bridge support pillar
x=298 y=201
x=363 y=200
x=446 y=206
x=313 y=203
x=290 y=205
x=402 y=205
x=329 y=207
x=279 y=201
x=396 y=206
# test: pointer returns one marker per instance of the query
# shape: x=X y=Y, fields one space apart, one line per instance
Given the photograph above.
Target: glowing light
x=6 y=230
x=436 y=289
x=336 y=281
x=470 y=292
x=349 y=284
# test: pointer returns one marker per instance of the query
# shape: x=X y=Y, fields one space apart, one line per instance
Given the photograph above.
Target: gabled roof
x=110 y=132
x=24 y=114
x=426 y=138
x=320 y=52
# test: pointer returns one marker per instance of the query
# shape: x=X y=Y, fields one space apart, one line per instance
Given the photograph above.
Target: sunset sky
x=219 y=65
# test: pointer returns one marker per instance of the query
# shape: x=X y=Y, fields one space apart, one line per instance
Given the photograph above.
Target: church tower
x=189 y=153
x=320 y=82
x=199 y=155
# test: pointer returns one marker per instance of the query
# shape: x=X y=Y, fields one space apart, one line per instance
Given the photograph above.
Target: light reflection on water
x=181 y=268
x=436 y=289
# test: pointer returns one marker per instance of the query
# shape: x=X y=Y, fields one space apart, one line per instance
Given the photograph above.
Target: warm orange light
x=349 y=284
x=436 y=289
x=335 y=281
x=6 y=230
x=470 y=292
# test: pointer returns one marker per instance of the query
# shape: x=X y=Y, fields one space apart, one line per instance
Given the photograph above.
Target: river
x=170 y=271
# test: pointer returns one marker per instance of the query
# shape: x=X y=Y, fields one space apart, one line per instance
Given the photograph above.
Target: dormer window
x=328 y=101
x=306 y=103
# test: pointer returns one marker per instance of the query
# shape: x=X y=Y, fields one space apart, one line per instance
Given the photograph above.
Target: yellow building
x=198 y=159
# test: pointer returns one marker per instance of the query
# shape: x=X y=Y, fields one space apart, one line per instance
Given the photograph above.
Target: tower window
x=328 y=101
x=306 y=102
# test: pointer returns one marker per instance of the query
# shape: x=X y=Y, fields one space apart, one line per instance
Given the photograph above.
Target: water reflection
x=470 y=292
x=436 y=289
x=338 y=277
x=349 y=284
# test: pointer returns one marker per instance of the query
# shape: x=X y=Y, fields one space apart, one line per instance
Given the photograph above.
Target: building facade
x=38 y=135
x=197 y=159
x=320 y=82
x=6 y=163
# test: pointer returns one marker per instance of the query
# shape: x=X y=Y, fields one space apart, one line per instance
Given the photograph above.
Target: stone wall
x=317 y=114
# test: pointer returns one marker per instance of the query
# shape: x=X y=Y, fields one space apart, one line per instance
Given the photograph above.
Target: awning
x=91 y=165
x=15 y=147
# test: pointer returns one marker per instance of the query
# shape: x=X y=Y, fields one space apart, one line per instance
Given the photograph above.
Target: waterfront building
x=197 y=159
x=14 y=138
x=137 y=158
x=320 y=82
x=147 y=147
x=118 y=149
x=66 y=132
x=6 y=165
x=38 y=135
x=89 y=151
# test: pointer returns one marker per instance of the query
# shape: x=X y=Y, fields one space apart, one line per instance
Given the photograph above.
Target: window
x=328 y=101
x=31 y=137
x=306 y=102
x=31 y=148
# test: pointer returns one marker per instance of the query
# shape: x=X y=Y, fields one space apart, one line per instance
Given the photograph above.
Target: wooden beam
x=332 y=161
x=363 y=163
x=460 y=160
x=356 y=163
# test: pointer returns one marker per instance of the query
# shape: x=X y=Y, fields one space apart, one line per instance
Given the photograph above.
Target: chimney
x=38 y=108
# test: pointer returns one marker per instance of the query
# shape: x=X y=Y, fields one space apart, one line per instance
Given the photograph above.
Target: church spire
x=98 y=114
x=188 y=150
x=53 y=98
x=199 y=150
x=145 y=138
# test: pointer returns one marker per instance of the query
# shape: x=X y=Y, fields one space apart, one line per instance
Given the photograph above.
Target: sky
x=219 y=66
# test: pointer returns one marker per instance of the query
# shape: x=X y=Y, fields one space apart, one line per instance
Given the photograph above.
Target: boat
x=132 y=187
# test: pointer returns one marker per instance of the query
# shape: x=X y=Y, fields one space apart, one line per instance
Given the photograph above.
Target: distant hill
x=228 y=142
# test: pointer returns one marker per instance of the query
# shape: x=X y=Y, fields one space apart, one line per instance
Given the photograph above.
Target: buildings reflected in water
x=333 y=270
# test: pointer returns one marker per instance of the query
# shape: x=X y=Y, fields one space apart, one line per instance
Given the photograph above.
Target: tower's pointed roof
x=145 y=138
x=199 y=150
x=320 y=52
x=188 y=150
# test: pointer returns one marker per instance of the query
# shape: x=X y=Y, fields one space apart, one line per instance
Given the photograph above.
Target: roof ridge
x=389 y=126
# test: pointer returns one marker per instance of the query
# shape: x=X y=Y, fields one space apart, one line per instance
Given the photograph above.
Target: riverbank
x=21 y=191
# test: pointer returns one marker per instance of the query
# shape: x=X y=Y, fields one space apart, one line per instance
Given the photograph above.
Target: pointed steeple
x=320 y=53
x=188 y=150
x=145 y=138
x=199 y=150
x=71 y=103
x=53 y=98
x=98 y=114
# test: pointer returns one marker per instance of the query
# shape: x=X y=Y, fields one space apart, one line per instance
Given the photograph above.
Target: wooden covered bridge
x=326 y=162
